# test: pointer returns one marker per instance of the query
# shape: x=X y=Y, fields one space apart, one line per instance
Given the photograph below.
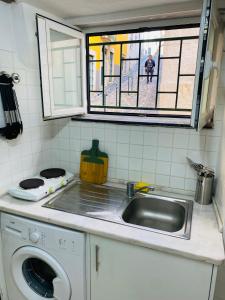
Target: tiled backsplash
x=153 y=154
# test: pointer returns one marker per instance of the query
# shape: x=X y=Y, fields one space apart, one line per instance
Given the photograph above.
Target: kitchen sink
x=155 y=213
x=151 y=212
x=160 y=213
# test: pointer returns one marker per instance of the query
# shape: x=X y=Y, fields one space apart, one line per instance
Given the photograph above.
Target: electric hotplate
x=38 y=187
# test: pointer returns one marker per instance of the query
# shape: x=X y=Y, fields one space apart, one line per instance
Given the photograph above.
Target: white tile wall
x=156 y=155
x=30 y=152
x=153 y=154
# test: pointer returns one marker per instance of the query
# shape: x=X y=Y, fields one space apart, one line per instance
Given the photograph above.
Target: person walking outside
x=149 y=68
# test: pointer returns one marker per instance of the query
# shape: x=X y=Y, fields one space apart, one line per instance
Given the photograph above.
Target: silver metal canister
x=204 y=188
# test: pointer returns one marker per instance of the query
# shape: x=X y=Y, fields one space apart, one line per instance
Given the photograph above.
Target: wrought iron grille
x=124 y=84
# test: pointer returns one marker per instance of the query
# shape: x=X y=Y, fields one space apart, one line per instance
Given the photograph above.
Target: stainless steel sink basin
x=160 y=213
x=151 y=212
x=155 y=213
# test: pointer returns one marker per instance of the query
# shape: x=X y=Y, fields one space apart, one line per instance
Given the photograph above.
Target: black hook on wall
x=15 y=77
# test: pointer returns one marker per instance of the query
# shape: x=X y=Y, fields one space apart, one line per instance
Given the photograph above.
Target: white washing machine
x=42 y=261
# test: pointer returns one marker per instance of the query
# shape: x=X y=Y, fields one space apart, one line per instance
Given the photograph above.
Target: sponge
x=141 y=184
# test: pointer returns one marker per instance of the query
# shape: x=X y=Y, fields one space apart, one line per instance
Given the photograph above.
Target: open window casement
x=62 y=69
x=208 y=64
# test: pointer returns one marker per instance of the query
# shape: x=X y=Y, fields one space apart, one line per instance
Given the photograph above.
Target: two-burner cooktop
x=38 y=187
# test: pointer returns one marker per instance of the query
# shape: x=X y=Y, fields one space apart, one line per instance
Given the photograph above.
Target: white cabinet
x=62 y=68
x=120 y=271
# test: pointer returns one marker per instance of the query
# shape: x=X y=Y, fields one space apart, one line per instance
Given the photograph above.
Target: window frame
x=149 y=115
x=43 y=26
x=199 y=115
x=206 y=84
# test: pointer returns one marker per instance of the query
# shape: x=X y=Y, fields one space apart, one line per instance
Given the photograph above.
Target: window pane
x=112 y=60
x=66 y=69
x=146 y=50
x=97 y=39
x=143 y=111
x=129 y=76
x=95 y=76
x=181 y=32
x=134 y=76
x=147 y=92
x=145 y=35
x=129 y=100
x=59 y=90
x=112 y=91
x=130 y=50
x=189 y=57
x=170 y=48
x=166 y=100
x=97 y=109
x=95 y=52
x=186 y=89
x=96 y=98
x=168 y=75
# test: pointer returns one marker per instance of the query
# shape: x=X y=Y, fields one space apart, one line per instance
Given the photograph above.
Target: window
x=145 y=73
x=165 y=75
x=61 y=59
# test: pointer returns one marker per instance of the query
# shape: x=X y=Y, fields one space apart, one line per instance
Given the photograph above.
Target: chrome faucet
x=131 y=191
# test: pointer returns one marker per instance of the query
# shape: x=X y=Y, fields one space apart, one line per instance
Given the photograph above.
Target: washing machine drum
x=39 y=276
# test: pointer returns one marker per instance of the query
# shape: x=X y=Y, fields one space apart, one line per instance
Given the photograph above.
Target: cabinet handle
x=97 y=263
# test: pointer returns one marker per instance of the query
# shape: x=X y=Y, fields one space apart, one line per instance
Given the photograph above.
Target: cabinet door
x=121 y=271
x=62 y=67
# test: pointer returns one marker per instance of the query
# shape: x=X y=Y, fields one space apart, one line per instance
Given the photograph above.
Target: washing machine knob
x=35 y=237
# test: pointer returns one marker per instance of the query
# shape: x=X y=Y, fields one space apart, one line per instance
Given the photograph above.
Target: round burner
x=52 y=173
x=31 y=183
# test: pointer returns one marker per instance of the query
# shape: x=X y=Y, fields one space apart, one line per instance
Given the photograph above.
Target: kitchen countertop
x=205 y=244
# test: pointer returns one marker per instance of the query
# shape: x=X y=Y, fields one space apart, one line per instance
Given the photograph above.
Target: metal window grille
x=125 y=74
x=91 y=73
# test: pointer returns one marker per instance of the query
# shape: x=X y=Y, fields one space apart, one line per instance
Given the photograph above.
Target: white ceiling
x=78 y=8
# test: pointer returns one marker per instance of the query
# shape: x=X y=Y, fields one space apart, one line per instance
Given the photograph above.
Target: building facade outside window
x=144 y=73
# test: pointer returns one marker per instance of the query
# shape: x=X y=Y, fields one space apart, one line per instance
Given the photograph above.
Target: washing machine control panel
x=35 y=236
x=43 y=235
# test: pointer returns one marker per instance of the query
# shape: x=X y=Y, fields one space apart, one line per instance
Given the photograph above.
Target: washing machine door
x=39 y=276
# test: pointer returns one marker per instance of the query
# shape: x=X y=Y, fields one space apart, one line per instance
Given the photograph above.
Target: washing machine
x=42 y=261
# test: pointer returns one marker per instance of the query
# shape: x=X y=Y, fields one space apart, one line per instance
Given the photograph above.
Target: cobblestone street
x=147 y=94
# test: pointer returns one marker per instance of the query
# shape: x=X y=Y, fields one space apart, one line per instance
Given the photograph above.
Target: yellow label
x=62 y=183
x=51 y=190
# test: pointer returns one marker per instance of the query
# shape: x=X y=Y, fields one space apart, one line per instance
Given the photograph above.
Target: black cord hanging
x=14 y=125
